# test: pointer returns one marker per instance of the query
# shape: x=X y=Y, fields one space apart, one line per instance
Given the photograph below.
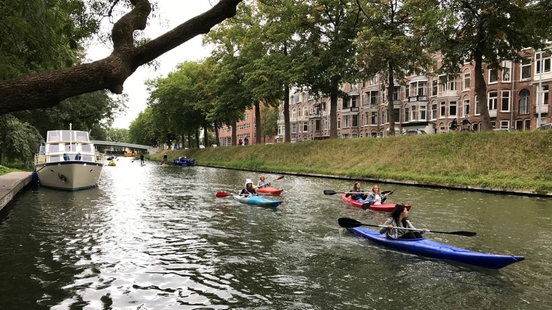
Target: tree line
x=266 y=49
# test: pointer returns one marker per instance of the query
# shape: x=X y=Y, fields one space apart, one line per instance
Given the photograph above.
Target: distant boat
x=183 y=161
x=68 y=161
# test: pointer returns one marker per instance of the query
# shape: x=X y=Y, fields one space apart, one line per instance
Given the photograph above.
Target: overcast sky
x=172 y=13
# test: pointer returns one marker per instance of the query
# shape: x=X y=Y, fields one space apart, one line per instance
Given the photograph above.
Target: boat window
x=87 y=148
x=88 y=158
x=53 y=136
x=53 y=148
x=65 y=135
x=82 y=136
x=54 y=159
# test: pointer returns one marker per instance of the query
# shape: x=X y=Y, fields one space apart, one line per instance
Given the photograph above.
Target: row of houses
x=517 y=99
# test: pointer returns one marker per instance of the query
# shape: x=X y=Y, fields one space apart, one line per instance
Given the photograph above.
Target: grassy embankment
x=4 y=170
x=511 y=161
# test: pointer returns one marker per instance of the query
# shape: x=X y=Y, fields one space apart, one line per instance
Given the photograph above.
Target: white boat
x=68 y=161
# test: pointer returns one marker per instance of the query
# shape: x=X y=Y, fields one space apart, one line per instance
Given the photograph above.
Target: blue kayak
x=432 y=249
x=258 y=201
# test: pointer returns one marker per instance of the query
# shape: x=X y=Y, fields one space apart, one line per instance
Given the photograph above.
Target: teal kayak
x=258 y=201
x=432 y=249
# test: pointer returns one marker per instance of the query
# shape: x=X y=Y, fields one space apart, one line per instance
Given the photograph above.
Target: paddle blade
x=329 y=192
x=459 y=233
x=222 y=194
x=367 y=205
x=279 y=178
x=388 y=192
x=348 y=223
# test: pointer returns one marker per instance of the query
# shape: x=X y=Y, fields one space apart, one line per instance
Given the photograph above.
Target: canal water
x=156 y=237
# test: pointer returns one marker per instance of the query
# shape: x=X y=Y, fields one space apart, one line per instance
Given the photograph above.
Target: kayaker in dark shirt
x=165 y=158
x=356 y=193
x=249 y=189
x=398 y=219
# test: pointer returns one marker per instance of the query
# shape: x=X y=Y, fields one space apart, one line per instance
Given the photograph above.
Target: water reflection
x=156 y=237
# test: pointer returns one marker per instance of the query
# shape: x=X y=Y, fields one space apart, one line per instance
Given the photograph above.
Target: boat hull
x=69 y=175
x=270 y=190
x=432 y=249
x=258 y=201
x=384 y=207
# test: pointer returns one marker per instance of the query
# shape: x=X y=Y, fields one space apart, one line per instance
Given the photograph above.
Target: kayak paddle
x=330 y=192
x=222 y=194
x=388 y=192
x=279 y=178
x=350 y=223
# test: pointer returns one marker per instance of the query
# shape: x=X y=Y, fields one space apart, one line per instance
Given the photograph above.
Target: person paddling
x=397 y=220
x=262 y=182
x=249 y=190
x=375 y=197
x=356 y=193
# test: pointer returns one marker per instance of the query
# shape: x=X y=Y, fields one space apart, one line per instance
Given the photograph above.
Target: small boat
x=68 y=161
x=183 y=161
x=432 y=249
x=384 y=207
x=112 y=164
x=257 y=201
x=129 y=154
x=269 y=190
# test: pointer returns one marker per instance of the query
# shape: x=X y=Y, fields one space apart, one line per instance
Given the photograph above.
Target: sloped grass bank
x=510 y=161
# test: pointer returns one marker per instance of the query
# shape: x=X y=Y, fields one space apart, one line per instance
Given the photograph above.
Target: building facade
x=517 y=99
x=245 y=131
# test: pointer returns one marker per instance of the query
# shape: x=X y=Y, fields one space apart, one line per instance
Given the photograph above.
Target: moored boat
x=257 y=201
x=269 y=190
x=183 y=161
x=384 y=207
x=432 y=249
x=68 y=161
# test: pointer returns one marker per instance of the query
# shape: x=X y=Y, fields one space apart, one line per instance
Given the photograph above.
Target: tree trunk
x=47 y=89
x=216 y=133
x=390 y=104
x=287 y=125
x=481 y=91
x=333 y=106
x=234 y=133
x=205 y=137
x=258 y=131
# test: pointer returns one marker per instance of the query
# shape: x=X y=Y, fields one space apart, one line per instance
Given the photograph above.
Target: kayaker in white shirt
x=399 y=218
x=262 y=182
x=375 y=197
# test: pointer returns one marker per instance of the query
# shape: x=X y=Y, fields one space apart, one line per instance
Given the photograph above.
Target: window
x=294 y=128
x=504 y=124
x=407 y=90
x=434 y=111
x=492 y=101
x=305 y=111
x=467 y=80
x=443 y=109
x=374 y=118
x=452 y=109
x=293 y=114
x=317 y=125
x=338 y=122
x=305 y=127
x=396 y=91
x=354 y=102
x=448 y=82
x=406 y=115
x=543 y=61
x=544 y=95
x=466 y=107
x=423 y=111
x=296 y=97
x=493 y=75
x=373 y=98
x=434 y=87
x=421 y=88
x=477 y=109
x=355 y=121
x=505 y=102
x=414 y=111
x=346 y=121
x=506 y=71
x=345 y=102
x=526 y=68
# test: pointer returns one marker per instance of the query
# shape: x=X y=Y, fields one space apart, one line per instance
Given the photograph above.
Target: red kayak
x=384 y=207
x=269 y=190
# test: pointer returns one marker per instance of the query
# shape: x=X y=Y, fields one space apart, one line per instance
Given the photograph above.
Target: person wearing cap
x=249 y=189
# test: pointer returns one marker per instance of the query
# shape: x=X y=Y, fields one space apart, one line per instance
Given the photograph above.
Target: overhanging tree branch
x=48 y=89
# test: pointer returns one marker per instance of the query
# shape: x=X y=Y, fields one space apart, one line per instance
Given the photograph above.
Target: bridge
x=148 y=148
